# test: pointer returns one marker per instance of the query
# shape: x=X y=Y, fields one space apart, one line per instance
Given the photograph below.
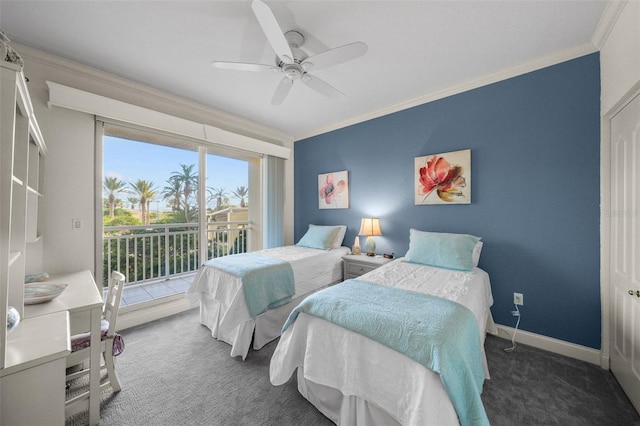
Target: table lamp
x=370 y=227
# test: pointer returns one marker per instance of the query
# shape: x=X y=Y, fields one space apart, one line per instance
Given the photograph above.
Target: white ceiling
x=416 y=48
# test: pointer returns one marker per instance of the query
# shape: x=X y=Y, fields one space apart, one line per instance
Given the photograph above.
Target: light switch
x=76 y=224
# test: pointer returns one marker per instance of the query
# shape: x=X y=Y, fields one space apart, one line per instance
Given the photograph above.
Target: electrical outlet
x=518 y=299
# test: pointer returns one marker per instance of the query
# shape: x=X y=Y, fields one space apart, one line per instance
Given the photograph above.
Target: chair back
x=112 y=301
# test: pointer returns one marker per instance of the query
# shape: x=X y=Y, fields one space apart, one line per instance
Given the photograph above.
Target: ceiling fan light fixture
x=293 y=71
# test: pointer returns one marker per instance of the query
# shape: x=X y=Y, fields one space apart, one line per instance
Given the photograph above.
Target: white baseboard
x=604 y=361
x=147 y=314
x=557 y=346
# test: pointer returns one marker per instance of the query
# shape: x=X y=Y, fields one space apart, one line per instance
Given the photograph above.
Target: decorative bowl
x=42 y=292
x=13 y=319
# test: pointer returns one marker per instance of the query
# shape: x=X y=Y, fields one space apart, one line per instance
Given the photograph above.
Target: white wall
x=620 y=57
x=620 y=78
x=68 y=178
x=69 y=190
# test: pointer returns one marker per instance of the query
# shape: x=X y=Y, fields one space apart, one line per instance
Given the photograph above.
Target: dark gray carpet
x=173 y=373
x=530 y=386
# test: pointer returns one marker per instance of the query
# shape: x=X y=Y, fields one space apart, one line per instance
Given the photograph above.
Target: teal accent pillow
x=319 y=237
x=442 y=250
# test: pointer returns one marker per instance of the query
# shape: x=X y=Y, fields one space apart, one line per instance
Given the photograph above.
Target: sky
x=131 y=160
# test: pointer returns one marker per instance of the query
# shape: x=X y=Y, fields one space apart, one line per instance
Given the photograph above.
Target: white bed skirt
x=343 y=410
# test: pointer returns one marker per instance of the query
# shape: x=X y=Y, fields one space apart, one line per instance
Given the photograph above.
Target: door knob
x=636 y=293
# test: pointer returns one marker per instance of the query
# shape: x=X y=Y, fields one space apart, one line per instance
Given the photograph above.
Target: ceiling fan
x=291 y=60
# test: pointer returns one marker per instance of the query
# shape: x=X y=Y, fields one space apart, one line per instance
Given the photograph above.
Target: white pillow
x=337 y=243
x=475 y=255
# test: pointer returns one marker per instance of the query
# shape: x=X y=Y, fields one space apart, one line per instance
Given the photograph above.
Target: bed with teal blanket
x=267 y=282
x=245 y=298
x=401 y=345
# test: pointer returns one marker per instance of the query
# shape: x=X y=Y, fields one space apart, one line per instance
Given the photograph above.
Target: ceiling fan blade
x=282 y=91
x=322 y=87
x=272 y=30
x=240 y=66
x=335 y=56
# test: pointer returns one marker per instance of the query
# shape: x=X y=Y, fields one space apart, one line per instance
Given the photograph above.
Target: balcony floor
x=153 y=290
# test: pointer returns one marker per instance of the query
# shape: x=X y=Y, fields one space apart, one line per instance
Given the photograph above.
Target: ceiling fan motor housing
x=294 y=71
x=294 y=38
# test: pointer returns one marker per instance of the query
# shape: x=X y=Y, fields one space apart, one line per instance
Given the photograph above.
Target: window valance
x=79 y=100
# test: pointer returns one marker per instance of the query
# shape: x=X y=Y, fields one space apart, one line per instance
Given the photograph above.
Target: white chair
x=80 y=343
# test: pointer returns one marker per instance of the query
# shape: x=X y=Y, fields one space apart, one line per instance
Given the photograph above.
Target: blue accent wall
x=535 y=160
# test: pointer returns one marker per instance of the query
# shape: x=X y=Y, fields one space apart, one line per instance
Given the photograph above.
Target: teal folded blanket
x=266 y=282
x=440 y=334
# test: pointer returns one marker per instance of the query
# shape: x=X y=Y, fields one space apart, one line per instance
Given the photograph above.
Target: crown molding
x=521 y=69
x=219 y=118
x=608 y=20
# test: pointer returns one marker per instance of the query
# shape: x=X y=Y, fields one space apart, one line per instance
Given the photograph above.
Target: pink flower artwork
x=333 y=190
x=443 y=178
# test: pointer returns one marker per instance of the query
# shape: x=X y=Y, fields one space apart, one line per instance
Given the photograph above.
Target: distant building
x=230 y=214
x=232 y=238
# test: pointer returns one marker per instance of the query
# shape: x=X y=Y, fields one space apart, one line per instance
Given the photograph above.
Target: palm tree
x=241 y=192
x=218 y=194
x=145 y=191
x=113 y=186
x=134 y=202
x=173 y=192
x=188 y=180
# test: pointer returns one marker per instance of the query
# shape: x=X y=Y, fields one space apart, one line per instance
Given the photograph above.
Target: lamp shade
x=370 y=227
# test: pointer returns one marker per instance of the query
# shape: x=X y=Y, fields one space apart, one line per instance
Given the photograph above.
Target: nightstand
x=359 y=264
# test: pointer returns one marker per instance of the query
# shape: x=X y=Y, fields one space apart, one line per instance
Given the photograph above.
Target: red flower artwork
x=446 y=179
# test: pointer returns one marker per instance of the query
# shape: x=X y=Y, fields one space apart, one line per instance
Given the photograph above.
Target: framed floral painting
x=443 y=178
x=333 y=190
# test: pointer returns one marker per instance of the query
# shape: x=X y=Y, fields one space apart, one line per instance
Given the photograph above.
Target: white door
x=625 y=249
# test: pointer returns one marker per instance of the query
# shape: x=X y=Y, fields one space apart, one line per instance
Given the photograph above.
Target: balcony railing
x=162 y=251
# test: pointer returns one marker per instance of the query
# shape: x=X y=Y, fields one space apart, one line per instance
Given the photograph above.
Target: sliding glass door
x=168 y=205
